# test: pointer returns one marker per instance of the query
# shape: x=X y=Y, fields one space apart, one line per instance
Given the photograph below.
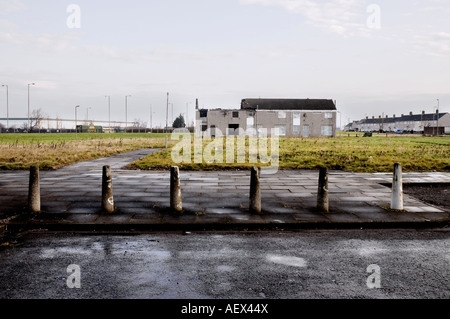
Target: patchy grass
x=52 y=151
x=346 y=152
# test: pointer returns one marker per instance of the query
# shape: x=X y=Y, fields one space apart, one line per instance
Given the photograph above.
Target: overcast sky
x=372 y=57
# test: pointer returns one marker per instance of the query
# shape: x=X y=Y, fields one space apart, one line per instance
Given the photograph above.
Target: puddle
x=287 y=260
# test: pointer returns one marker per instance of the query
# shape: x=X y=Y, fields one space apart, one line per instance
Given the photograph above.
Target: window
x=296 y=122
x=203 y=113
x=281 y=114
x=212 y=130
x=233 y=129
x=328 y=115
x=261 y=131
x=280 y=130
x=235 y=114
x=306 y=131
x=327 y=130
x=250 y=122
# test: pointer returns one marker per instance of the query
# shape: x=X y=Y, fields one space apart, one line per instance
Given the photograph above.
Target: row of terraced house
x=423 y=123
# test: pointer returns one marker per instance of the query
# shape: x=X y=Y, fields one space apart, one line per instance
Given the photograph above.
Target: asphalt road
x=380 y=264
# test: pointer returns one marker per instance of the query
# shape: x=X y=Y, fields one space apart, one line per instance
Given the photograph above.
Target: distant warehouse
x=285 y=117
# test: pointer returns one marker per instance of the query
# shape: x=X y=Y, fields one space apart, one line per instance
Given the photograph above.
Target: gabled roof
x=404 y=118
x=288 y=104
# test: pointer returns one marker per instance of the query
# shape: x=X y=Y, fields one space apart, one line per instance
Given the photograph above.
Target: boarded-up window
x=250 y=122
x=280 y=130
x=296 y=122
x=327 y=130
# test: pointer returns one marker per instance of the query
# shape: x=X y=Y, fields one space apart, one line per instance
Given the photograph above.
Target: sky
x=372 y=57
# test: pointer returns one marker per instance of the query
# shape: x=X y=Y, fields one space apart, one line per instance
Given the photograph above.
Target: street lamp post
x=126 y=111
x=7 y=109
x=151 y=119
x=167 y=112
x=87 y=114
x=109 y=112
x=437 y=119
x=29 y=124
x=187 y=114
x=76 y=124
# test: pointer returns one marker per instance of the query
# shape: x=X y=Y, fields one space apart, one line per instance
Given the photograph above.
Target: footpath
x=71 y=200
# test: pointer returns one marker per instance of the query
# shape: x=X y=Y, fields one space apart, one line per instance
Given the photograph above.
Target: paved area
x=71 y=198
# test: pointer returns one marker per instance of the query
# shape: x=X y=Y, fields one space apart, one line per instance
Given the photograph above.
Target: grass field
x=347 y=152
x=52 y=151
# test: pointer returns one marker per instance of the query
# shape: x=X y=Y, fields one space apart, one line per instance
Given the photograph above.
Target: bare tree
x=138 y=124
x=36 y=118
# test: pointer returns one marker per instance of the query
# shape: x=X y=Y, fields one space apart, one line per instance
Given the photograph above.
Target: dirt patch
x=437 y=194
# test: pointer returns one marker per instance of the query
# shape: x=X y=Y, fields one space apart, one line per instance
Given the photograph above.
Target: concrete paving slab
x=219 y=198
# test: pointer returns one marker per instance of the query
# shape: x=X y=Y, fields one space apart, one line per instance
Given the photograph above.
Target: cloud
x=10 y=6
x=343 y=17
x=437 y=44
x=60 y=43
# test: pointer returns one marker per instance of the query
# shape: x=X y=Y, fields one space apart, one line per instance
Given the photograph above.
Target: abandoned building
x=424 y=123
x=283 y=117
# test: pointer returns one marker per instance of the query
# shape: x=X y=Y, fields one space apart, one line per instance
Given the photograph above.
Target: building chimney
x=423 y=112
x=410 y=113
x=196 y=104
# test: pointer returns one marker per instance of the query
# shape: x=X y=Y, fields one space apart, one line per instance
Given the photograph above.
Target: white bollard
x=397 y=188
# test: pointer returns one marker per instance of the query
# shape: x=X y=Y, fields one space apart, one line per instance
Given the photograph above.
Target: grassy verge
x=52 y=151
x=346 y=152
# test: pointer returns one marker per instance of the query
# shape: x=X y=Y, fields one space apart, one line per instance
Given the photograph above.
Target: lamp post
x=76 y=128
x=29 y=124
x=7 y=108
x=151 y=119
x=87 y=114
x=437 y=119
x=126 y=111
x=167 y=112
x=109 y=112
x=187 y=114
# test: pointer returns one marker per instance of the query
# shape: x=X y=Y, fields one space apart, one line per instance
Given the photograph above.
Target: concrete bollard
x=255 y=192
x=107 y=191
x=322 y=194
x=175 y=190
x=34 y=192
x=397 y=188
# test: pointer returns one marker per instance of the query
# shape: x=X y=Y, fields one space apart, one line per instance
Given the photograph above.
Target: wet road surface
x=228 y=265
